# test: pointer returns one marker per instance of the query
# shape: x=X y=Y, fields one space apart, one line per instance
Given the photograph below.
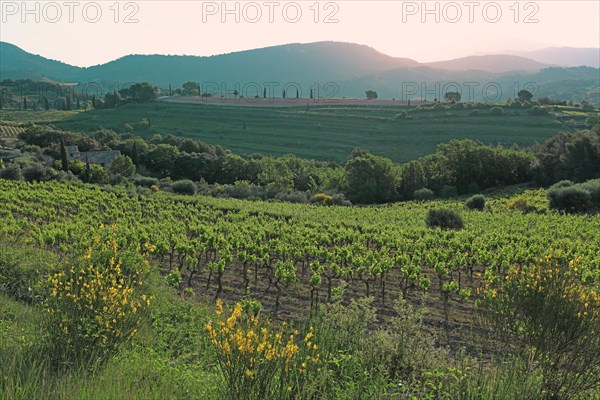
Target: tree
x=452 y=97
x=140 y=92
x=524 y=95
x=46 y=104
x=161 y=159
x=63 y=155
x=190 y=88
x=264 y=93
x=24 y=103
x=370 y=179
x=371 y=94
x=68 y=106
x=122 y=165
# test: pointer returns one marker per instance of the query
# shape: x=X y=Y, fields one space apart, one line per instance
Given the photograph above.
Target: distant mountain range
x=352 y=67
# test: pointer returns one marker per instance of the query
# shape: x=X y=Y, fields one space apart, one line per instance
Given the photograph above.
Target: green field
x=321 y=132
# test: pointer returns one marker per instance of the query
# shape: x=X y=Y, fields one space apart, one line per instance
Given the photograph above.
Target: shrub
x=423 y=194
x=258 y=360
x=322 y=199
x=476 y=202
x=444 y=218
x=593 y=187
x=184 y=186
x=548 y=312
x=521 y=204
x=496 y=111
x=145 y=181
x=292 y=197
x=239 y=190
x=12 y=172
x=96 y=305
x=448 y=191
x=561 y=184
x=536 y=111
x=570 y=199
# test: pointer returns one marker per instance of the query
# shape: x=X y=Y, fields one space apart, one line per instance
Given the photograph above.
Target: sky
x=85 y=33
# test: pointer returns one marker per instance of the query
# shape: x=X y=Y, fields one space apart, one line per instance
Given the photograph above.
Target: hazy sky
x=86 y=33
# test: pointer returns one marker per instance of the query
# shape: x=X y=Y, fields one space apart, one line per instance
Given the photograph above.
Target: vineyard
x=10 y=131
x=294 y=258
x=292 y=254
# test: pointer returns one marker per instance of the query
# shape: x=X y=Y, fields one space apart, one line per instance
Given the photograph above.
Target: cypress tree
x=135 y=155
x=264 y=93
x=297 y=93
x=94 y=101
x=24 y=103
x=63 y=155
x=46 y=103
x=283 y=94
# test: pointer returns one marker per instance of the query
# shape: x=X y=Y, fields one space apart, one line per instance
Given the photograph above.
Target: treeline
x=189 y=166
x=26 y=94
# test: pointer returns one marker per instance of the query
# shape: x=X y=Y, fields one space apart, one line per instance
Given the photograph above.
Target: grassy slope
x=321 y=132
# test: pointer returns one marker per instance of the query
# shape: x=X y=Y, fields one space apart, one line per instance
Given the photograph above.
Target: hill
x=323 y=132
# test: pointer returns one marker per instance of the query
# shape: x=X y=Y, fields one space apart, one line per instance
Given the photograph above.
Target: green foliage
x=371 y=94
x=122 y=165
x=96 y=304
x=476 y=202
x=452 y=96
x=20 y=274
x=370 y=179
x=571 y=199
x=423 y=194
x=184 y=186
x=549 y=313
x=524 y=95
x=496 y=111
x=444 y=218
x=574 y=156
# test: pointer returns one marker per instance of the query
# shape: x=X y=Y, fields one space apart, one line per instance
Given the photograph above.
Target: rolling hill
x=353 y=68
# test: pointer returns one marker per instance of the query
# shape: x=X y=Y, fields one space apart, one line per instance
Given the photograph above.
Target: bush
x=184 y=186
x=423 y=194
x=96 y=305
x=292 y=197
x=12 y=172
x=145 y=181
x=521 y=204
x=322 y=199
x=496 y=111
x=561 y=184
x=444 y=218
x=239 y=190
x=536 y=111
x=570 y=199
x=593 y=187
x=547 y=312
x=448 y=191
x=476 y=202
x=259 y=360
